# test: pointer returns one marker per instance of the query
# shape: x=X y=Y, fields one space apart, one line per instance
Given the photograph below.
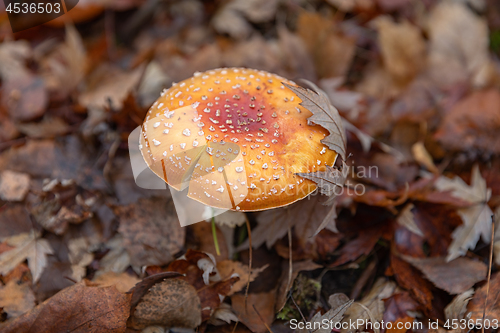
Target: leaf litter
x=416 y=88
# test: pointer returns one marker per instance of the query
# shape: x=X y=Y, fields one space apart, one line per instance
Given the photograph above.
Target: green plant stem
x=214 y=234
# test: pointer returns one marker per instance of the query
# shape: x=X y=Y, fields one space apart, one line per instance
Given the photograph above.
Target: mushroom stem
x=214 y=234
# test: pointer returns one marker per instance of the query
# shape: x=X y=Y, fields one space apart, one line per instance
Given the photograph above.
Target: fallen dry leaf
x=171 y=303
x=13 y=55
x=454 y=276
x=233 y=18
x=123 y=281
x=476 y=305
x=458 y=48
x=407 y=220
x=295 y=55
x=109 y=87
x=371 y=306
x=117 y=258
x=62 y=203
x=286 y=281
x=398 y=308
x=410 y=279
x=476 y=218
x=458 y=307
x=25 y=97
x=14 y=219
x=330 y=183
x=48 y=128
x=260 y=310
x=422 y=156
x=334 y=315
x=361 y=245
x=26 y=246
x=324 y=114
x=332 y=51
x=402 y=47
x=65 y=66
x=472 y=124
x=201 y=272
x=13 y=185
x=16 y=298
x=228 y=268
x=305 y=216
x=80 y=308
x=151 y=232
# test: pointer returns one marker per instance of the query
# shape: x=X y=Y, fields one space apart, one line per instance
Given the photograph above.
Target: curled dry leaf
x=81 y=308
x=62 y=203
x=170 y=303
x=454 y=276
x=228 y=268
x=407 y=219
x=458 y=307
x=200 y=271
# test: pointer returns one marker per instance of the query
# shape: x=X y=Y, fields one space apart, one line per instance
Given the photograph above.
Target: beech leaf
x=324 y=114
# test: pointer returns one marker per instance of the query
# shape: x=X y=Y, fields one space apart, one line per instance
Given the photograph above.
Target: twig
x=489 y=269
x=262 y=319
x=290 y=261
x=249 y=261
x=298 y=308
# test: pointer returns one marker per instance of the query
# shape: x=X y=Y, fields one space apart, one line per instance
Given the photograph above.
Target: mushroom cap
x=235 y=138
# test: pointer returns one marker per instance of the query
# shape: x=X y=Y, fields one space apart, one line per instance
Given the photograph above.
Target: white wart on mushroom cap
x=235 y=137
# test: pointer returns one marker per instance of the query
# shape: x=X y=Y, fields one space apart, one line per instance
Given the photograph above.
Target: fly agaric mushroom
x=236 y=138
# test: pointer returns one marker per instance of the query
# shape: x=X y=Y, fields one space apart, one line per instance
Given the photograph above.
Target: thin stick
x=214 y=234
x=290 y=260
x=234 y=328
x=249 y=261
x=489 y=269
x=261 y=319
x=298 y=308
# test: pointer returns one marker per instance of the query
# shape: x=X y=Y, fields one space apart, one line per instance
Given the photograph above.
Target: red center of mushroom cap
x=236 y=138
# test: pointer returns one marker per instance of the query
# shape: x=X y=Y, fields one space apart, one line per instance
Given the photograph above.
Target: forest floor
x=418 y=80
